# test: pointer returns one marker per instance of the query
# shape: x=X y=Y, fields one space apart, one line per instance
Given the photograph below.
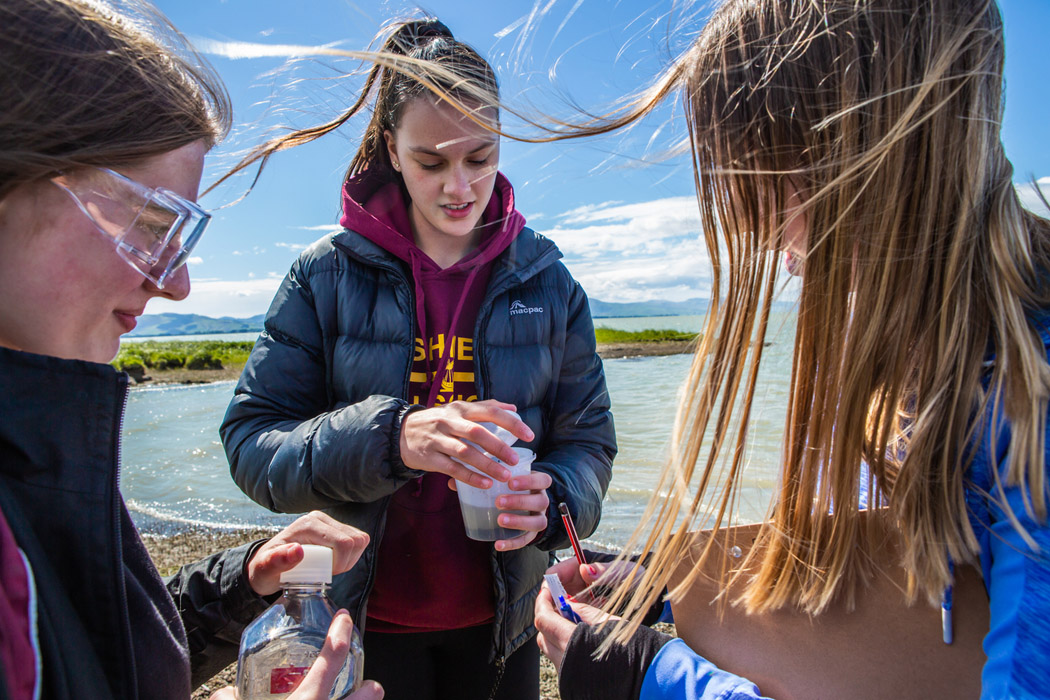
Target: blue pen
x=566 y=611
x=559 y=595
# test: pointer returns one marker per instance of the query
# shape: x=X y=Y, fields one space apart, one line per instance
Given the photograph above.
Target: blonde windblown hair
x=921 y=263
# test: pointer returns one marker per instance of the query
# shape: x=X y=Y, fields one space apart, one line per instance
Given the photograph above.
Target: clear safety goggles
x=154 y=229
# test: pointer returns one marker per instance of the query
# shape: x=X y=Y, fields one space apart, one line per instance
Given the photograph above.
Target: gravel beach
x=169 y=553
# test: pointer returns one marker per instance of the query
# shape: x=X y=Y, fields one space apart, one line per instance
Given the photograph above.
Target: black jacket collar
x=60 y=425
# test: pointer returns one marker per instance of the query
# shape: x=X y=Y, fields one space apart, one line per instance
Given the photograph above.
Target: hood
x=377 y=209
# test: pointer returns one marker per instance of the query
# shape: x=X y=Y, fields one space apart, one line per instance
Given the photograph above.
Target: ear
x=391 y=148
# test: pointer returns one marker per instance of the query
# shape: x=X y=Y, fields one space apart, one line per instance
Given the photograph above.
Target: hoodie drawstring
x=416 y=262
x=446 y=351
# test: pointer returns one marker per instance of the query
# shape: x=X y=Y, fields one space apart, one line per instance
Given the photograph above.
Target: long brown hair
x=418 y=57
x=912 y=329
x=98 y=84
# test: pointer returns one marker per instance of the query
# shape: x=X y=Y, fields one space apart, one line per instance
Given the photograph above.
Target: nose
x=177 y=286
x=458 y=183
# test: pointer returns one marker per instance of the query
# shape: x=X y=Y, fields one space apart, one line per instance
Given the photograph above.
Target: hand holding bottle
x=317 y=685
x=281 y=646
x=283 y=551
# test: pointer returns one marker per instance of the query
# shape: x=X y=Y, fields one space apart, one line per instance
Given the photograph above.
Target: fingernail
x=592 y=569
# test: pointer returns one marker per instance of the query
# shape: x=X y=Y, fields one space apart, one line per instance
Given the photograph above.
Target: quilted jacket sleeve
x=289 y=450
x=580 y=442
x=215 y=603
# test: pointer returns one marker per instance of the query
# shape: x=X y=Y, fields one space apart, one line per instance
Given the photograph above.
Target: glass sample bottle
x=279 y=646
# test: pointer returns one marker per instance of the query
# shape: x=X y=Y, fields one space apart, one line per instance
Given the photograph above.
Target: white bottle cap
x=316 y=566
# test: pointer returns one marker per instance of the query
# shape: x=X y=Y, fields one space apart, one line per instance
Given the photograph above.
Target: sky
x=622 y=209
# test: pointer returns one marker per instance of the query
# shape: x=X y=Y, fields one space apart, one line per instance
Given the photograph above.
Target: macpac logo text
x=517 y=307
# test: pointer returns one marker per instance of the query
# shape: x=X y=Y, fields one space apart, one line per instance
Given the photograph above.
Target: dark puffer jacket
x=107 y=625
x=316 y=419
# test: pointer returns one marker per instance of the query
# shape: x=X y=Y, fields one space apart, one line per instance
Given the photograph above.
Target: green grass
x=611 y=335
x=216 y=354
x=175 y=354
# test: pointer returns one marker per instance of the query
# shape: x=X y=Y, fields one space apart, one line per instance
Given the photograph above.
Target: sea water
x=175 y=473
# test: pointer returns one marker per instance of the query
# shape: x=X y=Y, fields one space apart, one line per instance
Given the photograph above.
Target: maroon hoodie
x=429 y=575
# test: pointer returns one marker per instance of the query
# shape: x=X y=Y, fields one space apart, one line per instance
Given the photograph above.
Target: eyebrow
x=438 y=154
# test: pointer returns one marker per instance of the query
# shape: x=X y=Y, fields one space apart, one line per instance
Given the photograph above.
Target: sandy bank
x=612 y=351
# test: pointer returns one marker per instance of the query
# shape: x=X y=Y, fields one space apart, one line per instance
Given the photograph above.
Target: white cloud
x=248 y=49
x=195 y=260
x=236 y=298
x=326 y=228
x=636 y=252
x=293 y=246
x=256 y=250
x=669 y=207
x=1030 y=198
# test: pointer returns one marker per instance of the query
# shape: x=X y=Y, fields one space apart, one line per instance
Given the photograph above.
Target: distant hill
x=608 y=309
x=195 y=324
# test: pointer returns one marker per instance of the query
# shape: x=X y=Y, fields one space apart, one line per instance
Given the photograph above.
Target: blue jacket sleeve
x=1017 y=576
x=680 y=673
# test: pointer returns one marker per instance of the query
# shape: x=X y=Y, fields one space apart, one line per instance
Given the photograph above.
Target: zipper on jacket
x=500 y=285
x=501 y=640
x=359 y=614
x=132 y=672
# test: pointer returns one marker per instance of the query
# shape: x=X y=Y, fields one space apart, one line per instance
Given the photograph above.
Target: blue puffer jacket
x=315 y=422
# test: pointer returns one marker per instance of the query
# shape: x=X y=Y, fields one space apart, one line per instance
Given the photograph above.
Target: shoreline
x=607 y=351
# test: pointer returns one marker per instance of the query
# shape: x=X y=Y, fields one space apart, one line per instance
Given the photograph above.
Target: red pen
x=571 y=530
